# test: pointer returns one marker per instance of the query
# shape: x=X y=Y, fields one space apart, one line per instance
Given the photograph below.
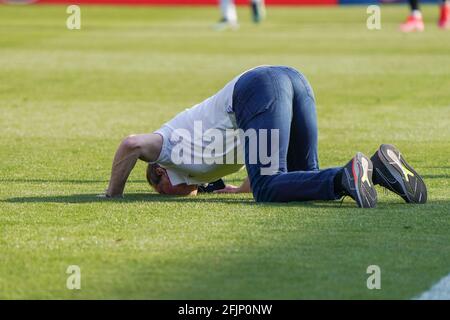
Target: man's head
x=157 y=177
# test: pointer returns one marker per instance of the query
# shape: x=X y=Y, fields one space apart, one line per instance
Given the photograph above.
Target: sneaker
x=393 y=172
x=412 y=24
x=357 y=181
x=224 y=24
x=444 y=20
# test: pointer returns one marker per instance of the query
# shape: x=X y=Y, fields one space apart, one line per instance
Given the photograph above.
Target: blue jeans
x=276 y=97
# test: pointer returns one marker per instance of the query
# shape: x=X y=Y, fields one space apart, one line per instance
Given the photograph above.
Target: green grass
x=68 y=97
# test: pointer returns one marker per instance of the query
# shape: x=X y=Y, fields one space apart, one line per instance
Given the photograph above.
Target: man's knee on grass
x=263 y=189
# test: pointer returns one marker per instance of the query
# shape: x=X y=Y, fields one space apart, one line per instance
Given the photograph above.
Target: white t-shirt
x=191 y=130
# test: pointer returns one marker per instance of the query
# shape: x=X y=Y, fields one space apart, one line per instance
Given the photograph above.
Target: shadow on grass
x=76 y=181
x=436 y=176
x=130 y=197
x=86 y=181
x=206 y=199
x=153 y=197
x=228 y=180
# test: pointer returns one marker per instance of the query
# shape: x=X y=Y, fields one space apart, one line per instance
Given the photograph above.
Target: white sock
x=416 y=14
x=228 y=10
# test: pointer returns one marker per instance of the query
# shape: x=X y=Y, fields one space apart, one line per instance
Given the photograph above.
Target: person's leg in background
x=229 y=15
x=444 y=19
x=415 y=10
x=263 y=99
x=258 y=10
x=414 y=22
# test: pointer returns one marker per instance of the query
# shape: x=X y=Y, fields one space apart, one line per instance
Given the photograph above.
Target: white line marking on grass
x=440 y=291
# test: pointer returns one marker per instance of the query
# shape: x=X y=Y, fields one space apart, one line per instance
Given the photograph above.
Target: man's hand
x=229 y=189
x=106 y=196
x=102 y=196
x=244 y=188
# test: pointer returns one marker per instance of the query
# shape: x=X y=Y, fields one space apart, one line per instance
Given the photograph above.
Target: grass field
x=68 y=97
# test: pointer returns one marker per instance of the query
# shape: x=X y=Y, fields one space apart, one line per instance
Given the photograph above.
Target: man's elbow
x=131 y=143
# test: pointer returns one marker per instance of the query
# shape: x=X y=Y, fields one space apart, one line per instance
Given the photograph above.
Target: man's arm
x=143 y=146
x=244 y=188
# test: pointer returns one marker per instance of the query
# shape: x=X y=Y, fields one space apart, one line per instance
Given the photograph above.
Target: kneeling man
x=266 y=119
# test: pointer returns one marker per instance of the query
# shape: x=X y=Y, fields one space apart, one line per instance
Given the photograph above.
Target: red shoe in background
x=444 y=20
x=412 y=24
